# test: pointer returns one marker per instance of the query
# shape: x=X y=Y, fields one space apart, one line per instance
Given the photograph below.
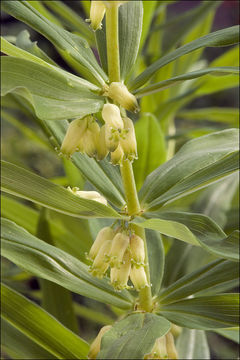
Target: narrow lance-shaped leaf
x=49 y=262
x=53 y=94
x=217 y=276
x=73 y=45
x=41 y=327
x=192 y=344
x=204 y=312
x=22 y=183
x=224 y=37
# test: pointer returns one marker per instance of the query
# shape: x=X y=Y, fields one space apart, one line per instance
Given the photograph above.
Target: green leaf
x=130 y=28
x=199 y=162
x=217 y=276
x=195 y=229
x=205 y=312
x=192 y=344
x=105 y=177
x=52 y=94
x=148 y=13
x=224 y=115
x=22 y=183
x=19 y=346
x=133 y=337
x=74 y=45
x=157 y=258
x=224 y=37
x=49 y=262
x=39 y=326
x=162 y=85
x=151 y=147
x=231 y=333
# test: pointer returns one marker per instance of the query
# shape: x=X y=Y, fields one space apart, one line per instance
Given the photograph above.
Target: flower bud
x=102 y=149
x=97 y=12
x=119 y=93
x=117 y=155
x=120 y=243
x=112 y=117
x=111 y=138
x=119 y=276
x=100 y=265
x=159 y=350
x=128 y=140
x=138 y=277
x=90 y=195
x=137 y=250
x=171 y=349
x=73 y=136
x=107 y=233
x=176 y=330
x=96 y=344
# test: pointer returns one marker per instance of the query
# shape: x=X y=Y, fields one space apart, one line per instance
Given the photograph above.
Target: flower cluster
x=116 y=136
x=123 y=253
x=164 y=348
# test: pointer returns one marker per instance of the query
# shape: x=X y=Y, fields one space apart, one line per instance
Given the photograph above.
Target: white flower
x=90 y=195
x=112 y=117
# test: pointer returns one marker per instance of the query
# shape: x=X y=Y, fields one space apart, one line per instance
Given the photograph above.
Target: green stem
x=145 y=297
x=112 y=43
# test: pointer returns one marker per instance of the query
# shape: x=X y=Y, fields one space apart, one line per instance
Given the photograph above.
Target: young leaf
x=27 y=185
x=49 y=262
x=192 y=344
x=224 y=37
x=151 y=147
x=205 y=312
x=41 y=327
x=74 y=45
x=230 y=333
x=219 y=275
x=196 y=164
x=122 y=340
x=52 y=93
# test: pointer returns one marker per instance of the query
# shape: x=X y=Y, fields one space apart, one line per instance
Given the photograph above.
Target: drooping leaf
x=224 y=37
x=230 y=333
x=52 y=94
x=195 y=229
x=218 y=276
x=199 y=162
x=49 y=262
x=204 y=312
x=192 y=344
x=151 y=147
x=162 y=85
x=122 y=341
x=41 y=327
x=77 y=48
x=22 y=183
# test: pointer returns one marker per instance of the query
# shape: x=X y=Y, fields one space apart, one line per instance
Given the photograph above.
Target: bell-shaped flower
x=111 y=138
x=137 y=250
x=97 y=12
x=128 y=140
x=119 y=92
x=138 y=277
x=171 y=349
x=96 y=344
x=102 y=149
x=105 y=234
x=112 y=117
x=159 y=350
x=90 y=138
x=100 y=265
x=73 y=136
x=119 y=276
x=120 y=243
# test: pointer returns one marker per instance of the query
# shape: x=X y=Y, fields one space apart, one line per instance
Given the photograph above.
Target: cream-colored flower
x=105 y=234
x=90 y=195
x=119 y=92
x=138 y=277
x=112 y=117
x=128 y=140
x=97 y=12
x=137 y=250
x=96 y=344
x=120 y=243
x=73 y=136
x=119 y=276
